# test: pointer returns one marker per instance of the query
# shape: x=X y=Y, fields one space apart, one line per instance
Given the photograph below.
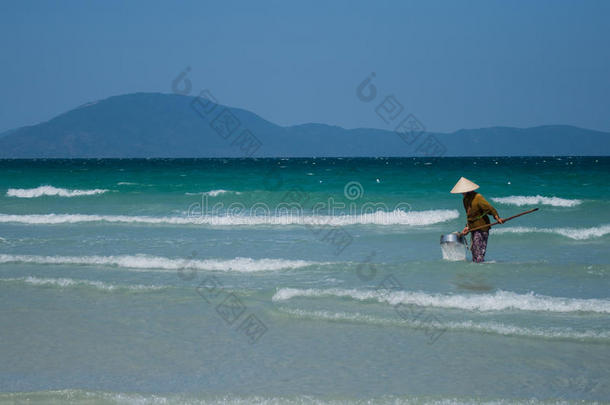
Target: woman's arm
x=464 y=231
x=487 y=207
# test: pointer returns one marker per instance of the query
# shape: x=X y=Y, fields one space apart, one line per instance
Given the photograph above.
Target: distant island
x=149 y=125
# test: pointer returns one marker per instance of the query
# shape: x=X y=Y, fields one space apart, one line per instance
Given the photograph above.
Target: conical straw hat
x=463 y=186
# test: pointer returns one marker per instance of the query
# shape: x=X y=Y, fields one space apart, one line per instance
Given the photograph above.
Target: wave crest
x=397 y=217
x=520 y=200
x=481 y=327
x=239 y=264
x=98 y=397
x=499 y=301
x=215 y=193
x=51 y=191
x=70 y=282
x=572 y=233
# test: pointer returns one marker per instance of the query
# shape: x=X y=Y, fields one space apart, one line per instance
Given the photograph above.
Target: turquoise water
x=277 y=281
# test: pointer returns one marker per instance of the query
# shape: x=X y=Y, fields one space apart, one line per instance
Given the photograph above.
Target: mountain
x=144 y=125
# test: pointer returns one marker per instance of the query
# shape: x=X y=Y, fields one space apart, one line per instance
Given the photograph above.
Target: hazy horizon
x=452 y=65
x=380 y=127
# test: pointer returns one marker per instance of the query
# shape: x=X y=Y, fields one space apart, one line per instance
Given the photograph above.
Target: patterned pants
x=479 y=245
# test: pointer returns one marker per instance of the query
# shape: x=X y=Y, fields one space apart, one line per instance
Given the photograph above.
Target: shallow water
x=274 y=281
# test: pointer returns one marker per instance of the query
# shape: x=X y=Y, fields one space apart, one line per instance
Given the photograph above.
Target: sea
x=302 y=281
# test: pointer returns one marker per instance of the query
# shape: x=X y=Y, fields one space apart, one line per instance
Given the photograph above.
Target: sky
x=452 y=64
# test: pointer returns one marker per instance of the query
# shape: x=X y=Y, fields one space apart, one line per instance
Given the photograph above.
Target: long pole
x=506 y=219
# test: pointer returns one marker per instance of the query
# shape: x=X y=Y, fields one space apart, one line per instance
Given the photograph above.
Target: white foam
x=78 y=218
x=70 y=282
x=499 y=301
x=79 y=396
x=215 y=193
x=50 y=191
x=126 y=183
x=239 y=264
x=397 y=217
x=482 y=327
x=572 y=233
x=520 y=200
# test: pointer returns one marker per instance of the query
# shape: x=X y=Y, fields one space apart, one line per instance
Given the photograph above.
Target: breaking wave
x=64 y=396
x=482 y=327
x=50 y=191
x=70 y=282
x=572 y=233
x=499 y=301
x=239 y=264
x=520 y=200
x=397 y=217
x=215 y=193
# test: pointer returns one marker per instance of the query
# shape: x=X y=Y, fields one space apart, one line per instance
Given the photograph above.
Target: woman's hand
x=465 y=230
x=500 y=220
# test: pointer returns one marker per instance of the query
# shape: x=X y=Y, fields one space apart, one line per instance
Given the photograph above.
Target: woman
x=477 y=209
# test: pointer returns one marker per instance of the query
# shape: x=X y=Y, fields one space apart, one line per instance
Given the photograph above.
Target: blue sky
x=452 y=64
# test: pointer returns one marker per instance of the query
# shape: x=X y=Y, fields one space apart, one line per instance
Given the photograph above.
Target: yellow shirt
x=477 y=209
